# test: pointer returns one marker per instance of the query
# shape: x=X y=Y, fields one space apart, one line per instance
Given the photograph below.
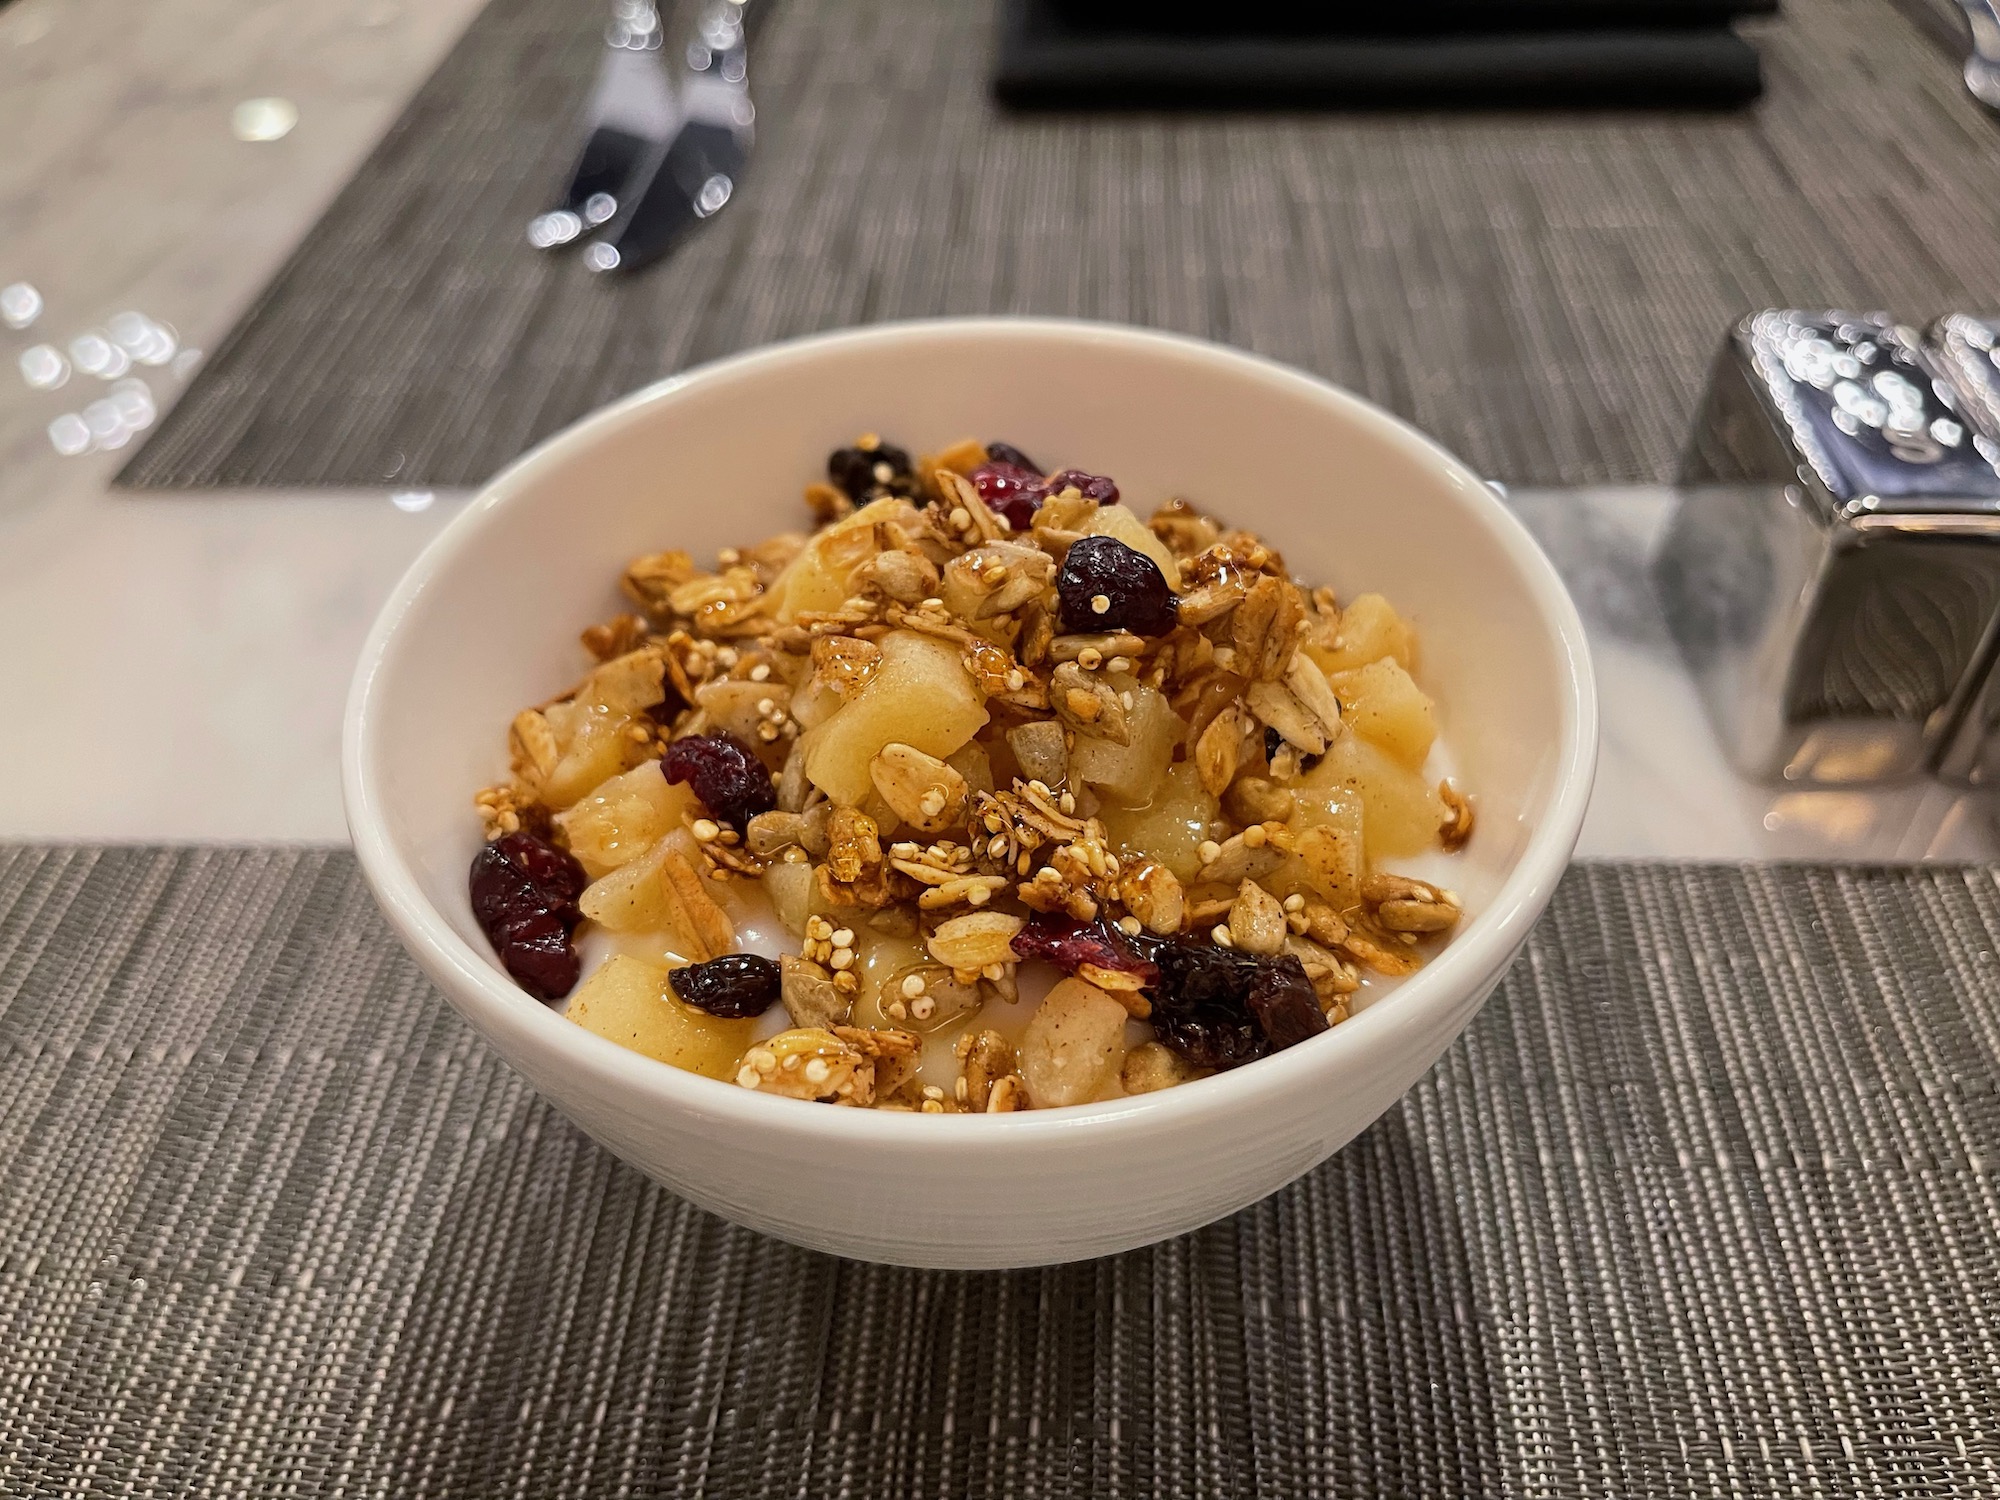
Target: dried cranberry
x=1009 y=490
x=864 y=474
x=735 y=986
x=1007 y=453
x=1069 y=944
x=1092 y=486
x=1133 y=589
x=524 y=891
x=725 y=774
x=1283 y=1003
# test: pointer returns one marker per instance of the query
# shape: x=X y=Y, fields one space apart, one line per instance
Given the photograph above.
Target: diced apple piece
x=1170 y=829
x=595 y=749
x=1401 y=812
x=1130 y=774
x=589 y=728
x=1329 y=843
x=1074 y=1045
x=624 y=817
x=630 y=1002
x=819 y=577
x=881 y=957
x=1118 y=522
x=1370 y=629
x=794 y=893
x=1382 y=703
x=921 y=695
x=663 y=893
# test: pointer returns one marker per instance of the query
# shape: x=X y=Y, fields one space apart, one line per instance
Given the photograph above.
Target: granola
x=982 y=716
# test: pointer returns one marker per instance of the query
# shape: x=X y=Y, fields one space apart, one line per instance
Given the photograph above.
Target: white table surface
x=173 y=665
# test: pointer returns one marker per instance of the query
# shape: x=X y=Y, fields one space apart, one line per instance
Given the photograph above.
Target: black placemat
x=1541 y=292
x=1704 y=1202
x=1070 y=58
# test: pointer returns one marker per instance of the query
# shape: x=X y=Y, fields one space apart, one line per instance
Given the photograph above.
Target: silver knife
x=632 y=116
x=692 y=176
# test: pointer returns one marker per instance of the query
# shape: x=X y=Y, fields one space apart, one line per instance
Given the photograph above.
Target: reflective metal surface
x=696 y=174
x=631 y=117
x=1832 y=574
x=1968 y=349
x=1982 y=65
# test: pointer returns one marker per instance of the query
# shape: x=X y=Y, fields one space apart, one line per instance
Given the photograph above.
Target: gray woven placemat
x=1542 y=292
x=1705 y=1202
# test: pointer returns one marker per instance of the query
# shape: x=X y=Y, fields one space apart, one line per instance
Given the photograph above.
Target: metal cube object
x=1832 y=572
x=1968 y=349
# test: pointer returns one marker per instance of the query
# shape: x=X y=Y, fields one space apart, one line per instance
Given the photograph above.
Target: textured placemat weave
x=1705 y=1202
x=1542 y=292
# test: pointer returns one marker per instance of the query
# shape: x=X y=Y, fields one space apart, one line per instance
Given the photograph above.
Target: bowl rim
x=496 y=1006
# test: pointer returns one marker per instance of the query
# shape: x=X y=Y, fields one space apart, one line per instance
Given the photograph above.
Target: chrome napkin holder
x=1832 y=572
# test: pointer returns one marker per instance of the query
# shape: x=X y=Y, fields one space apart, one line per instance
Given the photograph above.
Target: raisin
x=1129 y=584
x=726 y=775
x=1009 y=490
x=524 y=892
x=735 y=986
x=864 y=474
x=1284 y=1004
x=1212 y=1038
x=1007 y=453
x=1201 y=1003
x=1092 y=486
x=1196 y=976
x=1070 y=944
x=1272 y=740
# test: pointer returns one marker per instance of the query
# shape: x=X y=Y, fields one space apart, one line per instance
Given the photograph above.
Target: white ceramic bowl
x=487 y=619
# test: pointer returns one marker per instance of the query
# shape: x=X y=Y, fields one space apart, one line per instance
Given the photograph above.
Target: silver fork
x=632 y=116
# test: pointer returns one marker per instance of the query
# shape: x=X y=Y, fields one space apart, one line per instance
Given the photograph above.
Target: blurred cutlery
x=1982 y=67
x=632 y=117
x=691 y=176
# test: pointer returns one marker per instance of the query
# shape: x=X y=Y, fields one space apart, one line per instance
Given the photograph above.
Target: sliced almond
x=925 y=793
x=975 y=940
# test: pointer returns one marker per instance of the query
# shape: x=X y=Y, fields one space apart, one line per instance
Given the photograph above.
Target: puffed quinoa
x=967 y=724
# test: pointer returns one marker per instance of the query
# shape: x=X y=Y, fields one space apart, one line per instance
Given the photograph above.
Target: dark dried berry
x=735 y=986
x=1010 y=491
x=1092 y=486
x=1212 y=1038
x=1007 y=453
x=864 y=474
x=1070 y=944
x=725 y=773
x=541 y=956
x=1284 y=1004
x=1129 y=584
x=1272 y=739
x=1201 y=1003
x=524 y=892
x=1196 y=976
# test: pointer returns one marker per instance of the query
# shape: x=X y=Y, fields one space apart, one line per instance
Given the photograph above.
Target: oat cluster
x=981 y=714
